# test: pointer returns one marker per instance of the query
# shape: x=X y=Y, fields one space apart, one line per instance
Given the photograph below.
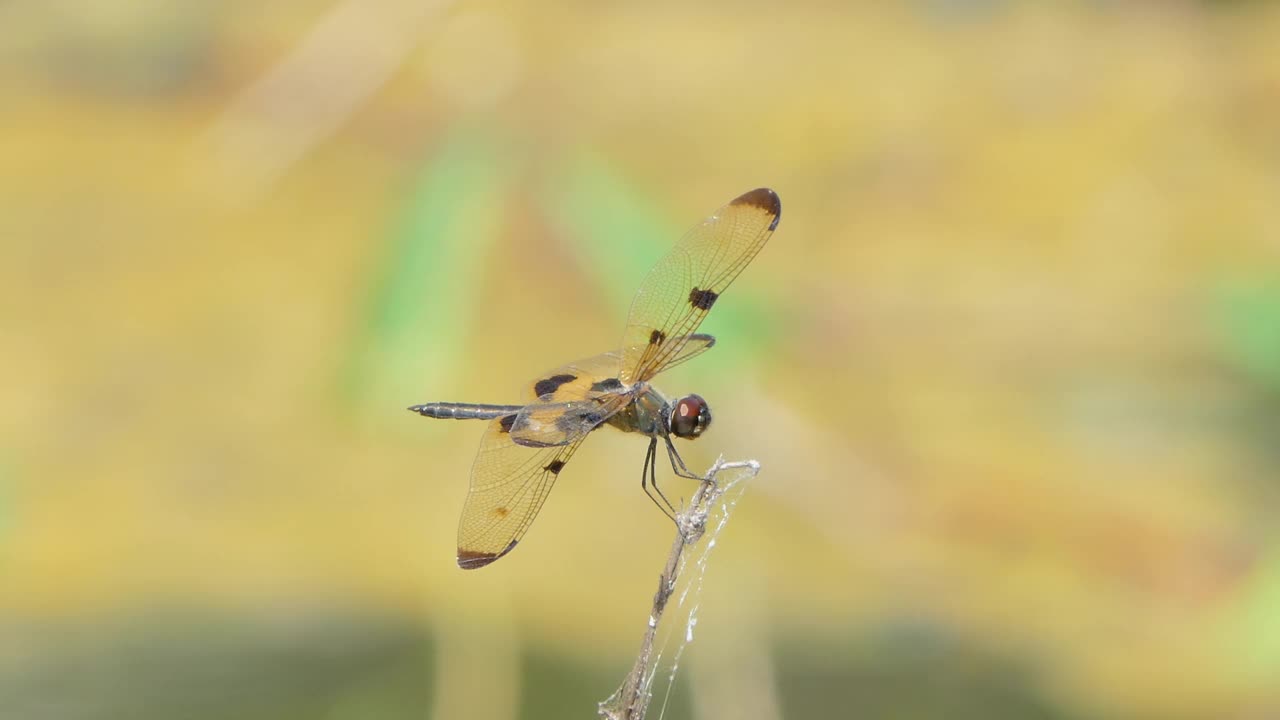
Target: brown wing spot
x=506 y=421
x=657 y=337
x=764 y=199
x=546 y=386
x=555 y=467
x=472 y=559
x=501 y=512
x=702 y=299
x=607 y=385
x=571 y=422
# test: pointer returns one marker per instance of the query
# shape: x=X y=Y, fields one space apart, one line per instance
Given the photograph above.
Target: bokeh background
x=1011 y=362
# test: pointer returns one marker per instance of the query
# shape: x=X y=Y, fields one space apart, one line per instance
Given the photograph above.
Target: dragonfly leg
x=677 y=463
x=649 y=477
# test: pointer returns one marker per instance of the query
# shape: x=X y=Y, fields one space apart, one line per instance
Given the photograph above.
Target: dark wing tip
x=473 y=559
x=468 y=560
x=764 y=199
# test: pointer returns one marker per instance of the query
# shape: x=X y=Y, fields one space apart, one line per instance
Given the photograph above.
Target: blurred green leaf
x=431 y=265
x=1256 y=626
x=1249 y=316
x=620 y=233
x=612 y=226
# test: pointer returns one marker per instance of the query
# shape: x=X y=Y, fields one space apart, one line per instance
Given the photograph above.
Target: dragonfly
x=527 y=446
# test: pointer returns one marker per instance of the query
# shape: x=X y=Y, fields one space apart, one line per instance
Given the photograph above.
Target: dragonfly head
x=690 y=417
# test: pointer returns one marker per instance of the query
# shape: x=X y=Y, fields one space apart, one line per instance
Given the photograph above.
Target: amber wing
x=522 y=454
x=681 y=289
x=509 y=483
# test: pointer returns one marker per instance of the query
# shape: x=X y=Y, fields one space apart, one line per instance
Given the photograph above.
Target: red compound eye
x=690 y=417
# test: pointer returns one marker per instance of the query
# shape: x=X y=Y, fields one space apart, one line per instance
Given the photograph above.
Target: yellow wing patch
x=509 y=483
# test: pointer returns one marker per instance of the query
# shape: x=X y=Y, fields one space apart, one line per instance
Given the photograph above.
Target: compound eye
x=690 y=417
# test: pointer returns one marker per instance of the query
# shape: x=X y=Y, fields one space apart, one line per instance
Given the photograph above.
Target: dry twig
x=631 y=700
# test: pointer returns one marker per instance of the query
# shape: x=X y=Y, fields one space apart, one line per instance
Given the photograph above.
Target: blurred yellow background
x=1011 y=363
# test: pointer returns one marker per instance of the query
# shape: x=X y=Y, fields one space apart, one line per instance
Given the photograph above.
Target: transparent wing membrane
x=682 y=288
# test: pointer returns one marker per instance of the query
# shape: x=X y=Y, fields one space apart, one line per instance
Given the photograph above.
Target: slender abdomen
x=464 y=411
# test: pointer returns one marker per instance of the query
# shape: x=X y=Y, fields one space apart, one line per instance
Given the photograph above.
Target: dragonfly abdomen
x=464 y=411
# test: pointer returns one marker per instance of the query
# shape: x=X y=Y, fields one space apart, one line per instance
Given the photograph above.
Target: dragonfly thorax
x=651 y=413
